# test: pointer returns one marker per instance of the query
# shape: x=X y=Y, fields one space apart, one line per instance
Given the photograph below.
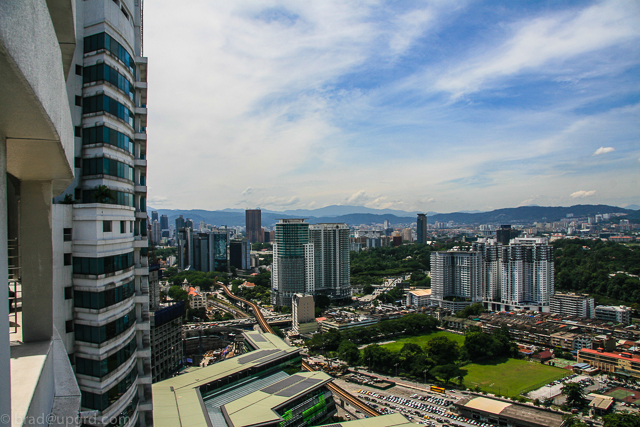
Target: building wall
x=109 y=245
x=36 y=157
x=292 y=261
x=332 y=275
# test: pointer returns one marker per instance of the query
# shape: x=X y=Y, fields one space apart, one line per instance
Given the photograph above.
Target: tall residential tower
x=293 y=261
x=332 y=275
x=107 y=274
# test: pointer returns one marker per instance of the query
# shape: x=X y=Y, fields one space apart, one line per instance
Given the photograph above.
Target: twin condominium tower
x=503 y=277
x=310 y=259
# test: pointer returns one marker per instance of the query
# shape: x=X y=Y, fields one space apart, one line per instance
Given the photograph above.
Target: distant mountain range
x=356 y=215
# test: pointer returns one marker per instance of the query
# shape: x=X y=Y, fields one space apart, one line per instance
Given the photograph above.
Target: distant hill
x=528 y=214
x=520 y=215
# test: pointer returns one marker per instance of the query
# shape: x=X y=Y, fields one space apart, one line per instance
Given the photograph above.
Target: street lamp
x=396 y=369
x=425 y=377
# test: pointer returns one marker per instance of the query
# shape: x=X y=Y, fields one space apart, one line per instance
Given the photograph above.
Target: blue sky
x=415 y=105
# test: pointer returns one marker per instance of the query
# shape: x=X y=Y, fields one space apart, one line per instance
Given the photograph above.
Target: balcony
x=141 y=215
x=143 y=326
x=140 y=189
x=142 y=110
x=140 y=243
x=140 y=136
x=42 y=381
x=141 y=62
x=140 y=162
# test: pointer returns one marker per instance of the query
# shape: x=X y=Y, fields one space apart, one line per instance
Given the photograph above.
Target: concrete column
x=5 y=350
x=36 y=253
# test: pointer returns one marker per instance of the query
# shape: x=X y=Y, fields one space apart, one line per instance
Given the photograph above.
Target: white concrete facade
x=110 y=337
x=37 y=38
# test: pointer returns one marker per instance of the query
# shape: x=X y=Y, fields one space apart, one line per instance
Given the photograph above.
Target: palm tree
x=103 y=194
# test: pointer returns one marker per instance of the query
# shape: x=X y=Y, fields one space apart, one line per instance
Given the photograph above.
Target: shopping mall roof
x=528 y=414
x=258 y=407
x=177 y=401
x=392 y=420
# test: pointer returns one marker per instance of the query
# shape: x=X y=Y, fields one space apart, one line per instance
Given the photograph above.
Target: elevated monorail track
x=345 y=395
x=256 y=310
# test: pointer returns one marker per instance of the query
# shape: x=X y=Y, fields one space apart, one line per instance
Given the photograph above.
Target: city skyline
x=422 y=106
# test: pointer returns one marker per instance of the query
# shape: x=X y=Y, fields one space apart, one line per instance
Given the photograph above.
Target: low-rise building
x=624 y=364
x=502 y=412
x=571 y=304
x=419 y=298
x=617 y=314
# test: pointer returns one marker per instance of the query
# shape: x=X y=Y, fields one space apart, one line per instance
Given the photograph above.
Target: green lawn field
x=421 y=340
x=511 y=377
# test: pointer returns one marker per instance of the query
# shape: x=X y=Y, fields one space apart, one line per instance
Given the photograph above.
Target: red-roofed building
x=624 y=364
x=543 y=356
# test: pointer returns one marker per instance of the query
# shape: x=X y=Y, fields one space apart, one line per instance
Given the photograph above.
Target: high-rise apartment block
x=421 y=228
x=75 y=85
x=518 y=276
x=37 y=151
x=109 y=246
x=293 y=261
x=332 y=263
x=456 y=278
x=310 y=259
x=253 y=222
x=571 y=304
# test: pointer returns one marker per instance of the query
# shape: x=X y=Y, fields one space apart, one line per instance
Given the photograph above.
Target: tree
x=278 y=331
x=448 y=372
x=621 y=419
x=471 y=310
x=478 y=345
x=442 y=350
x=574 y=393
x=368 y=289
x=570 y=420
x=103 y=194
x=176 y=293
x=348 y=352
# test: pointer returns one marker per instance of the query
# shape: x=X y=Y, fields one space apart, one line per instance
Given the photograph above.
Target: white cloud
x=359 y=198
x=530 y=201
x=255 y=103
x=582 y=194
x=548 y=39
x=603 y=150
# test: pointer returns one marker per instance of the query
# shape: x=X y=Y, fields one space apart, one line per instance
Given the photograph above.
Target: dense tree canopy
x=411 y=324
x=442 y=350
x=621 y=419
x=372 y=265
x=574 y=393
x=586 y=266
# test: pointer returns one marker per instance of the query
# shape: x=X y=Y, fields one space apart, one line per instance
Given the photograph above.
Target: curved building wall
x=107 y=90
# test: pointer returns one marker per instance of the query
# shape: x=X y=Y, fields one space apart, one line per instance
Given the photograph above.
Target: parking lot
x=426 y=408
x=554 y=388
